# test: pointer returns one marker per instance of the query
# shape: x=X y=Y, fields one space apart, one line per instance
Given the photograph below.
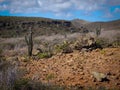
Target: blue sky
x=90 y=10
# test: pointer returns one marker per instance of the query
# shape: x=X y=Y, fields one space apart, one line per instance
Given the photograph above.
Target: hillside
x=111 y=25
x=18 y=26
x=76 y=69
x=79 y=23
x=65 y=55
x=96 y=70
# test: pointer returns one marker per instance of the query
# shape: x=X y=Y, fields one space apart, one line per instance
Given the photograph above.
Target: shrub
x=50 y=76
x=44 y=55
x=8 y=46
x=77 y=45
x=116 y=42
x=64 y=47
x=21 y=84
x=2 y=57
x=103 y=52
x=102 y=42
x=8 y=75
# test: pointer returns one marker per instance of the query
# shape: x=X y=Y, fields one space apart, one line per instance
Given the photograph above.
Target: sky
x=90 y=10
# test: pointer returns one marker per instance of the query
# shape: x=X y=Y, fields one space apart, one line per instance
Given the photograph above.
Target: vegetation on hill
x=58 y=54
x=18 y=26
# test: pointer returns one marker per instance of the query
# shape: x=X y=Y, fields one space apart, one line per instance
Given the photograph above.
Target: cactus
x=98 y=30
x=29 y=42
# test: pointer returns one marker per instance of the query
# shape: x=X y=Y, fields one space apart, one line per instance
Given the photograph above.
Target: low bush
x=44 y=55
x=50 y=76
x=116 y=42
x=77 y=45
x=7 y=46
x=102 y=42
x=63 y=48
x=21 y=84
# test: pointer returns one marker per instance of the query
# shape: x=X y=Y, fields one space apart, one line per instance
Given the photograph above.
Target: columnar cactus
x=98 y=30
x=29 y=42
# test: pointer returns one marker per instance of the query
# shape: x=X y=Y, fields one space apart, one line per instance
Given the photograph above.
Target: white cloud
x=54 y=5
x=57 y=7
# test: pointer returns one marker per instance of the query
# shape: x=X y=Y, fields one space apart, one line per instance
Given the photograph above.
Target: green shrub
x=103 y=52
x=64 y=47
x=50 y=76
x=116 y=42
x=44 y=55
x=102 y=42
x=21 y=84
x=77 y=45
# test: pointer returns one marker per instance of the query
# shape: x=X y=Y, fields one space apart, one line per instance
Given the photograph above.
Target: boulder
x=99 y=76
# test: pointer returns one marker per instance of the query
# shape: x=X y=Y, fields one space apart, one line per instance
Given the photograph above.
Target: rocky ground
x=99 y=68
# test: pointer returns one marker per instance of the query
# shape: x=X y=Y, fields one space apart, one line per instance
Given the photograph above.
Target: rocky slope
x=78 y=69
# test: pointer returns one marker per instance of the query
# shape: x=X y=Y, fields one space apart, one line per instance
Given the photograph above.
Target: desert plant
x=64 y=47
x=8 y=75
x=21 y=84
x=98 y=31
x=103 y=52
x=77 y=45
x=7 y=46
x=116 y=42
x=50 y=76
x=102 y=42
x=44 y=55
x=29 y=42
x=2 y=57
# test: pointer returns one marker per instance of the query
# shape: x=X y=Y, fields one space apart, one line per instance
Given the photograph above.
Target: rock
x=84 y=50
x=99 y=76
x=81 y=73
x=36 y=52
x=67 y=50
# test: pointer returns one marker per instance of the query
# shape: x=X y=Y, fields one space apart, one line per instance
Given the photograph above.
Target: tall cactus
x=29 y=42
x=98 y=30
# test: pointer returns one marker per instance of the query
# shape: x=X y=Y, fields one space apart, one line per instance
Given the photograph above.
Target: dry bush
x=13 y=46
x=116 y=42
x=103 y=42
x=8 y=75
